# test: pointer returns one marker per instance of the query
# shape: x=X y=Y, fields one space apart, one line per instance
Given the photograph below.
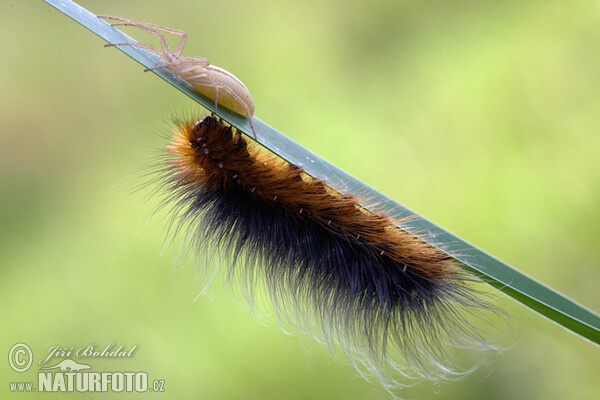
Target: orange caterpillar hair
x=390 y=302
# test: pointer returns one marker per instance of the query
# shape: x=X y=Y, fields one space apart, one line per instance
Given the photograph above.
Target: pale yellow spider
x=211 y=81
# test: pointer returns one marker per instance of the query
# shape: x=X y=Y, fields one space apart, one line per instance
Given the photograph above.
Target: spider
x=213 y=82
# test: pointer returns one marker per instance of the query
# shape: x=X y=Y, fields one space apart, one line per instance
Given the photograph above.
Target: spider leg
x=196 y=75
x=142 y=45
x=151 y=28
x=194 y=59
x=175 y=32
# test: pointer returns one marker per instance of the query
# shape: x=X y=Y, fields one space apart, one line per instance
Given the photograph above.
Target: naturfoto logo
x=70 y=375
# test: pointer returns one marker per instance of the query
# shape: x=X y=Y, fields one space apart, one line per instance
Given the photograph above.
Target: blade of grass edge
x=531 y=293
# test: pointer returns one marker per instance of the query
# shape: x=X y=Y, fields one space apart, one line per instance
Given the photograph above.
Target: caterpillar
x=378 y=296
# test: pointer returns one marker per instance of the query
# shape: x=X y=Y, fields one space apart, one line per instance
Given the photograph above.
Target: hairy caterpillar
x=378 y=296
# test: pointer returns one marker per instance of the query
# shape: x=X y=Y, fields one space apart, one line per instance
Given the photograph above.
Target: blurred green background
x=482 y=116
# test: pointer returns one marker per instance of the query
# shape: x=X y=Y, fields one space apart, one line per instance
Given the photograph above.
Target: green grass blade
x=500 y=275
